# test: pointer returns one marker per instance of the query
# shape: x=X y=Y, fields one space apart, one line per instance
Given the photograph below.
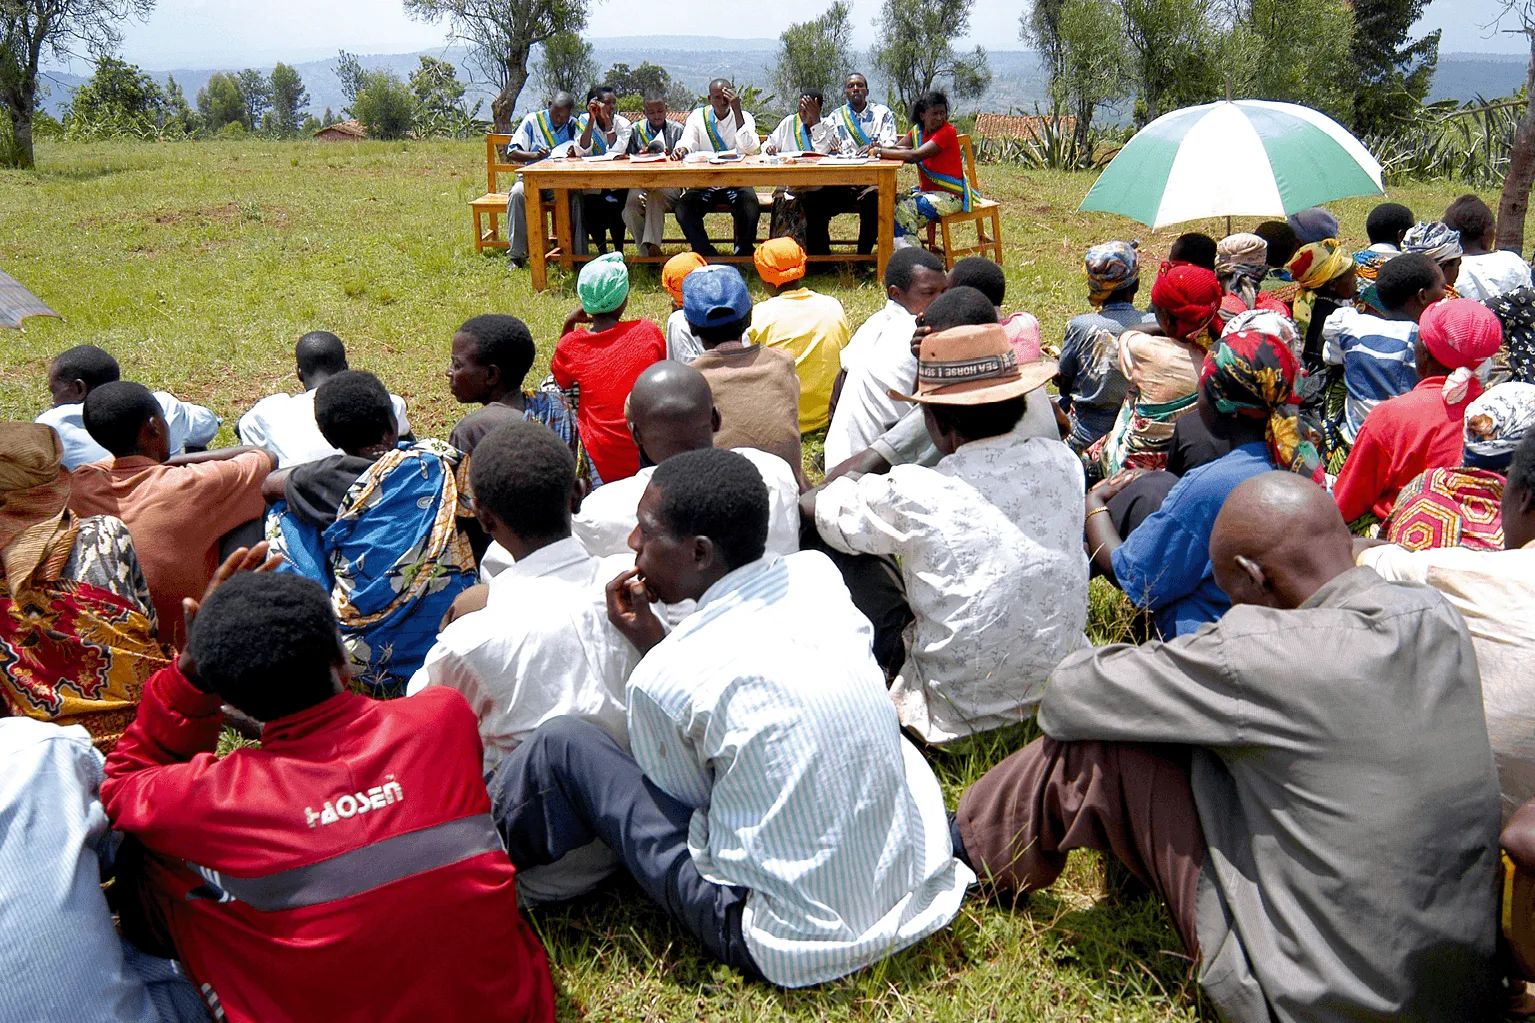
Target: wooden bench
x=981 y=211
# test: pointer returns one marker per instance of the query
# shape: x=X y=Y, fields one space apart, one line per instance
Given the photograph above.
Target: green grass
x=199 y=264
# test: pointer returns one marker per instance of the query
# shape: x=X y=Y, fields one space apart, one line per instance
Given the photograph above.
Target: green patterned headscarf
x=603 y=284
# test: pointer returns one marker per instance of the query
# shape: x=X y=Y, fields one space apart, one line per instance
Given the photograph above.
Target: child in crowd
x=1193 y=248
x=284 y=424
x=378 y=527
x=598 y=366
x=76 y=372
x=808 y=325
x=983 y=275
x=1386 y=225
x=177 y=509
x=490 y=360
x=1486 y=272
x=682 y=345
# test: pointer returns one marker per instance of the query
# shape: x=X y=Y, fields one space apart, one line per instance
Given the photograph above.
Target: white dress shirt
x=608 y=514
x=876 y=359
x=765 y=712
x=284 y=424
x=1491 y=274
x=990 y=546
x=785 y=139
x=617 y=137
x=740 y=137
x=1494 y=591
x=188 y=423
x=877 y=122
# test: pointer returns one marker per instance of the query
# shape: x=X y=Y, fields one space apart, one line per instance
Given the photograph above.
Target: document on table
x=602 y=157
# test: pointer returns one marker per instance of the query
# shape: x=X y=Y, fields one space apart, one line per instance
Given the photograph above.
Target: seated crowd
x=610 y=627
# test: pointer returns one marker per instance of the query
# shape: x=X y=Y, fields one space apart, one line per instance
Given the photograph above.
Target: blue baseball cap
x=713 y=296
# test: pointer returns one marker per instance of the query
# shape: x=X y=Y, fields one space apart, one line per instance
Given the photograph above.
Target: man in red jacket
x=348 y=869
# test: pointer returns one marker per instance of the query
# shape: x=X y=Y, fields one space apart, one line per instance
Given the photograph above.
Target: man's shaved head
x=562 y=101
x=1278 y=538
x=671 y=410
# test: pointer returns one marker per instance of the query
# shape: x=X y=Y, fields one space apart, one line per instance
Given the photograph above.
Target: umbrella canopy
x=17 y=303
x=1243 y=158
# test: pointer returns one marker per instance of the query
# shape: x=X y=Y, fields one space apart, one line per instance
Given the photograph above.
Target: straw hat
x=973 y=365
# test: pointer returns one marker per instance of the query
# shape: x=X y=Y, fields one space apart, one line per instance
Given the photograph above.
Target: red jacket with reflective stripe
x=420 y=930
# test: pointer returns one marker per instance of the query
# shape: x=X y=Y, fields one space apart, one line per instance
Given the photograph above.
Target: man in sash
x=535 y=139
x=718 y=126
x=602 y=129
x=803 y=132
x=859 y=125
x=645 y=212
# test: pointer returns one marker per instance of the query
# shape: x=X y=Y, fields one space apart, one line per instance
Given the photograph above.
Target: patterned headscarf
x=1436 y=240
x=1496 y=423
x=1367 y=264
x=1312 y=267
x=1267 y=321
x=1190 y=296
x=34 y=490
x=1241 y=263
x=1516 y=311
x=1109 y=267
x=1252 y=375
x=603 y=284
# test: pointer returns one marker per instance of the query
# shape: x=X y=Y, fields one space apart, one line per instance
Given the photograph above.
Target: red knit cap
x=1189 y=295
x=1460 y=332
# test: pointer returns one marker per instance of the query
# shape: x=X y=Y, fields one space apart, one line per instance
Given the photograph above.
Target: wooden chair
x=981 y=211
x=489 y=208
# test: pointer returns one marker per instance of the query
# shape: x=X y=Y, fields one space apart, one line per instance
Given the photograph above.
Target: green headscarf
x=603 y=284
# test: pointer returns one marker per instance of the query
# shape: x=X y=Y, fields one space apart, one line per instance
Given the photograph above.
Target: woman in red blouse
x=933 y=145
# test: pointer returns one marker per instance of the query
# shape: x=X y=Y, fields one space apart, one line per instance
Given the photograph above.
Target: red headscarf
x=1189 y=295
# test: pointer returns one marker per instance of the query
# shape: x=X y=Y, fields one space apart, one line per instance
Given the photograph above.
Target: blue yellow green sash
x=711 y=125
x=854 y=126
x=546 y=129
x=642 y=129
x=802 y=135
x=599 y=144
x=955 y=186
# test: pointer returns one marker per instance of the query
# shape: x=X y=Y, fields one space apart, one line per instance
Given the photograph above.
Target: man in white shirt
x=603 y=130
x=771 y=804
x=542 y=646
x=284 y=424
x=1486 y=272
x=879 y=356
x=74 y=373
x=1494 y=591
x=718 y=126
x=860 y=124
x=990 y=547
x=671 y=410
x=543 y=133
x=805 y=131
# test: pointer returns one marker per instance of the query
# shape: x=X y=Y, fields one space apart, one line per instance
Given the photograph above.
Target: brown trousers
x=1131 y=800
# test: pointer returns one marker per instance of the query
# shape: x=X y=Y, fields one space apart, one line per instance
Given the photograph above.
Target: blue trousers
x=570 y=784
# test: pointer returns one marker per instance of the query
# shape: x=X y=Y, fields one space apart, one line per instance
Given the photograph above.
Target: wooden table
x=564 y=176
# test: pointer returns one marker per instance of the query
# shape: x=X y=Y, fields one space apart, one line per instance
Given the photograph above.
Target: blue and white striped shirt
x=766 y=712
x=1377 y=359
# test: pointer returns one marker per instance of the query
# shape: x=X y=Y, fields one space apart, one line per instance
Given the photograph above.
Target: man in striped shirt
x=771 y=803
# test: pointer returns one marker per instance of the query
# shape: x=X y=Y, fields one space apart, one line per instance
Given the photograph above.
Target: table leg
x=537 y=272
x=887 y=187
x=562 y=232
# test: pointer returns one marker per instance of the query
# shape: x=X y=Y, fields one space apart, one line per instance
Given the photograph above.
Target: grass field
x=199 y=264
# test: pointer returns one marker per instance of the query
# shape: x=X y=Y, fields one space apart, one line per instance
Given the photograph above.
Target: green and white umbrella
x=1242 y=158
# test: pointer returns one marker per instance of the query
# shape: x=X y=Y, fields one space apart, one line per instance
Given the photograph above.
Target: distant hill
x=1018 y=76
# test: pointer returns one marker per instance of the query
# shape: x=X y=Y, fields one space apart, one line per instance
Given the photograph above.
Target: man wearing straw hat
x=990 y=550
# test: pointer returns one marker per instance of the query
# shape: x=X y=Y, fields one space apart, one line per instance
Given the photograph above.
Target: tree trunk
x=17 y=150
x=505 y=103
x=1521 y=167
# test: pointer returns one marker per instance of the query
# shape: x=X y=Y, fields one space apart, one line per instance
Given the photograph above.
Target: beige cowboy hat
x=973 y=365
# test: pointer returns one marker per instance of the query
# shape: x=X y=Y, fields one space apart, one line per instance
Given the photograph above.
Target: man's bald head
x=671 y=410
x=1278 y=539
x=319 y=354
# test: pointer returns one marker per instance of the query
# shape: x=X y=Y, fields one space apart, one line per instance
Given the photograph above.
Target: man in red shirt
x=1423 y=429
x=346 y=869
x=600 y=365
x=176 y=509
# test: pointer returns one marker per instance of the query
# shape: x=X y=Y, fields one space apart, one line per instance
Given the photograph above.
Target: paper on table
x=843 y=161
x=562 y=150
x=648 y=158
x=602 y=157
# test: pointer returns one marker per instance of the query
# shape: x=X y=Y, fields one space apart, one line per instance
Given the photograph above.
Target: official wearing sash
x=538 y=134
x=602 y=129
x=804 y=132
x=645 y=212
x=717 y=126
x=933 y=145
x=859 y=125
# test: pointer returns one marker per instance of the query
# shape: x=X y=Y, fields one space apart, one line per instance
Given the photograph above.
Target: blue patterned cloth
x=393 y=560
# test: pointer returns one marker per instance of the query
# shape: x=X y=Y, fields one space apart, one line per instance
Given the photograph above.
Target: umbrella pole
x=1228 y=226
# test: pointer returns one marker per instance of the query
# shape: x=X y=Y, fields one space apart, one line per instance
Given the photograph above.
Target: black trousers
x=602 y=213
x=822 y=204
x=744 y=209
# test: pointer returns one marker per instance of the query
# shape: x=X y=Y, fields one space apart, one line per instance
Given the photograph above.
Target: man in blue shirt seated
x=538 y=137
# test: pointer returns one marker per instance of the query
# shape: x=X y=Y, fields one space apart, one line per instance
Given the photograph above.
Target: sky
x=226 y=33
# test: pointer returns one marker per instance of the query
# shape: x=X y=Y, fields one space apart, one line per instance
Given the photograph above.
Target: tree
x=383 y=104
x=815 y=54
x=1083 y=45
x=1296 y=51
x=256 y=91
x=59 y=29
x=288 y=98
x=918 y=49
x=1514 y=203
x=221 y=102
x=565 y=65
x=1174 y=50
x=436 y=87
x=1391 y=74
x=500 y=35
x=117 y=94
x=178 y=114
x=648 y=78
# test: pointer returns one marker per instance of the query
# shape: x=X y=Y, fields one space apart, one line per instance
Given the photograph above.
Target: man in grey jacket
x=1307 y=783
